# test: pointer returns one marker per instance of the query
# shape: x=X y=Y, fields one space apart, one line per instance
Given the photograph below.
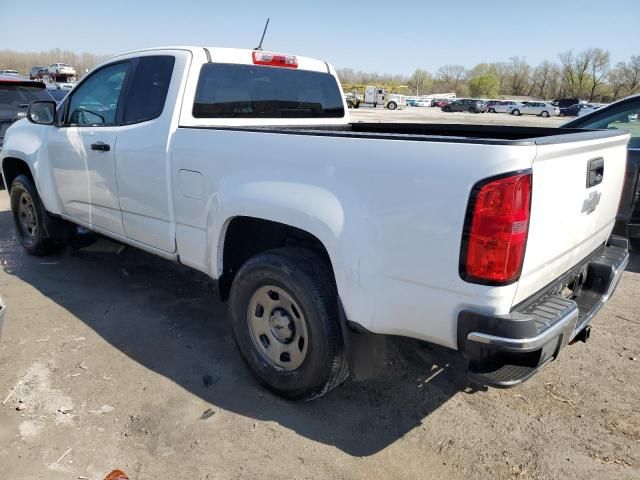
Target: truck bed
x=435 y=132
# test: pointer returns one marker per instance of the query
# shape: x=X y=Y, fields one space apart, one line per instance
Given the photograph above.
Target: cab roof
x=234 y=55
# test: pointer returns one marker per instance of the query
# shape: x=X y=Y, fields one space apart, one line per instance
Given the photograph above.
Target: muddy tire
x=284 y=313
x=38 y=232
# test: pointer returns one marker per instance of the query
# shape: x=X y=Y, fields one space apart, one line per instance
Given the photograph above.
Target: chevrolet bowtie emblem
x=591 y=202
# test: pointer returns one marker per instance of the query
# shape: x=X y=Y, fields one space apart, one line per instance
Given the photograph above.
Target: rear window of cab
x=253 y=91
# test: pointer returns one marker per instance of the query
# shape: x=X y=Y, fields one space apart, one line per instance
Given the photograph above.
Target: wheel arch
x=12 y=167
x=243 y=236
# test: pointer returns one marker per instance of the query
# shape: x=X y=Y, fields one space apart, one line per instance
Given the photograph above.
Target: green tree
x=486 y=85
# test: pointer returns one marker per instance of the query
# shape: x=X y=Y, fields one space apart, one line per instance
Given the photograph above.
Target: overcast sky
x=371 y=35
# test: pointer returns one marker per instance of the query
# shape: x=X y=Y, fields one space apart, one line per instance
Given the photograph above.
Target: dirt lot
x=122 y=360
x=436 y=115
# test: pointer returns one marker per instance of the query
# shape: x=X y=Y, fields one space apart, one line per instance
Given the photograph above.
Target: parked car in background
x=16 y=92
x=423 y=102
x=37 y=71
x=587 y=108
x=621 y=115
x=503 y=106
x=491 y=103
x=61 y=69
x=466 y=105
x=411 y=102
x=352 y=99
x=569 y=107
x=440 y=102
x=9 y=72
x=542 y=109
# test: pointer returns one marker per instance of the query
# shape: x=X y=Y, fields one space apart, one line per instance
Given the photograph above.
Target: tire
x=37 y=231
x=545 y=114
x=308 y=359
x=357 y=105
x=392 y=105
x=446 y=108
x=492 y=110
x=472 y=110
x=515 y=112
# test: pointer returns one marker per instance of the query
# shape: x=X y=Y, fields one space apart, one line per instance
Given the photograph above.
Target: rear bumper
x=505 y=350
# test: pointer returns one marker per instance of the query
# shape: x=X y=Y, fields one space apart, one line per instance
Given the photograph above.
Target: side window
x=95 y=102
x=623 y=117
x=148 y=91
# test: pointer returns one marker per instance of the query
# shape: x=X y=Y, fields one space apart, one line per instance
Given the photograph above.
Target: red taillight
x=496 y=232
x=274 y=59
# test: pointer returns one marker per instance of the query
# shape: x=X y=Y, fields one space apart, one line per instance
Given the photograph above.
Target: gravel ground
x=112 y=358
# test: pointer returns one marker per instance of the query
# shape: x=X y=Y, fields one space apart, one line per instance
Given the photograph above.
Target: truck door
x=142 y=158
x=82 y=149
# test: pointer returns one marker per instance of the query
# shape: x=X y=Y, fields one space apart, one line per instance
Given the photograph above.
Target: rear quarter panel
x=390 y=214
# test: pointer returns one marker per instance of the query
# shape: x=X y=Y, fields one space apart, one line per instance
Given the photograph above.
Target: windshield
x=249 y=91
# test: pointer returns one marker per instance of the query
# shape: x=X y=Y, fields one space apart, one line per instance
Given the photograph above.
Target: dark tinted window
x=248 y=91
x=567 y=102
x=149 y=86
x=12 y=95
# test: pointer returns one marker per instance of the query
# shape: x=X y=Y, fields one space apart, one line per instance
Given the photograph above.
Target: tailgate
x=571 y=214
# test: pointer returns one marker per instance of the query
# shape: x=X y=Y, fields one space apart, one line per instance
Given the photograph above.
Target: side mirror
x=42 y=112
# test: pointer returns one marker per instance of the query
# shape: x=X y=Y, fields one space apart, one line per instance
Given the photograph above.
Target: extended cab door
x=82 y=149
x=142 y=153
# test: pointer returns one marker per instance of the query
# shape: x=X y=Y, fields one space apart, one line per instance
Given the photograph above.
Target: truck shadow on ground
x=167 y=318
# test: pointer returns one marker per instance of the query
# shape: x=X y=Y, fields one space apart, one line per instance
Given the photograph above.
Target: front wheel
x=446 y=109
x=392 y=105
x=284 y=314
x=37 y=231
x=472 y=110
x=545 y=114
x=492 y=110
x=515 y=112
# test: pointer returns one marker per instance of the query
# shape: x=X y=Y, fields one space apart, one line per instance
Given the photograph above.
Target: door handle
x=595 y=171
x=101 y=146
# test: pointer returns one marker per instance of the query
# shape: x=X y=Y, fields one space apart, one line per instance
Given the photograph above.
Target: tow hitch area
x=505 y=350
x=582 y=336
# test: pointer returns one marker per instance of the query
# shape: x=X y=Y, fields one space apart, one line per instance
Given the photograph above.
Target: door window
x=149 y=86
x=95 y=102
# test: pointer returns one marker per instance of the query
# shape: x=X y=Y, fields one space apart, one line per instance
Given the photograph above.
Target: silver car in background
x=543 y=109
x=503 y=107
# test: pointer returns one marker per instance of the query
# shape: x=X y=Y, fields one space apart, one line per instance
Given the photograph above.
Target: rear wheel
x=472 y=110
x=284 y=315
x=515 y=112
x=492 y=110
x=37 y=230
x=545 y=114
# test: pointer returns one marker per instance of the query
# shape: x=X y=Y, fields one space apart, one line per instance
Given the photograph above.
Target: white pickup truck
x=495 y=241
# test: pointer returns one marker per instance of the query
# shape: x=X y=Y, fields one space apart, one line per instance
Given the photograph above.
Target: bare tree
x=632 y=74
x=450 y=77
x=518 y=73
x=420 y=79
x=598 y=69
x=617 y=81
